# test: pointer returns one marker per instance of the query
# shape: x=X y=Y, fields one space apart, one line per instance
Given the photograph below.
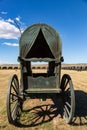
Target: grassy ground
x=44 y=115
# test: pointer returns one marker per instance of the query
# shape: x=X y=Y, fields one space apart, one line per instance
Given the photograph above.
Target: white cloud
x=18 y=18
x=3 y=12
x=11 y=44
x=11 y=28
x=8 y=30
x=10 y=20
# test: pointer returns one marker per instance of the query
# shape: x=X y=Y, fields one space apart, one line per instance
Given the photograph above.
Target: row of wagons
x=78 y=68
x=17 y=67
x=9 y=67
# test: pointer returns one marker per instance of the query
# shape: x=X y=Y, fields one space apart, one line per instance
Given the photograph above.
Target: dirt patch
x=46 y=115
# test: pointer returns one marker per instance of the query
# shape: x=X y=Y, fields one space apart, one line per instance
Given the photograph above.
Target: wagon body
x=40 y=42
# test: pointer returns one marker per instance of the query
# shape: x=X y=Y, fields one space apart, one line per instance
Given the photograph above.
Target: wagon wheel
x=68 y=96
x=13 y=100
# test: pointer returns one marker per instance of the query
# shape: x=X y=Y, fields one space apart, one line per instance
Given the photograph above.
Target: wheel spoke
x=67 y=89
x=68 y=104
x=65 y=113
x=14 y=89
x=13 y=97
x=14 y=110
x=67 y=110
x=11 y=102
x=66 y=83
x=15 y=83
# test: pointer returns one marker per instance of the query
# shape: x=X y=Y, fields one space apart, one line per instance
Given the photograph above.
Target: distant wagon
x=40 y=42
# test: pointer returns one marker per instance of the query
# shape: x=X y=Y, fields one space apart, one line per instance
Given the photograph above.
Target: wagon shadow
x=80 y=117
x=45 y=113
x=40 y=114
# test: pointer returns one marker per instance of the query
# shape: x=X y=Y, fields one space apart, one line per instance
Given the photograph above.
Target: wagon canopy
x=40 y=41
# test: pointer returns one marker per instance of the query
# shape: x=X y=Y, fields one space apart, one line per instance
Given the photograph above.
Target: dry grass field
x=79 y=79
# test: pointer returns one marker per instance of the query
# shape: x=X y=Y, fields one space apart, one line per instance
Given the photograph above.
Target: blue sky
x=68 y=17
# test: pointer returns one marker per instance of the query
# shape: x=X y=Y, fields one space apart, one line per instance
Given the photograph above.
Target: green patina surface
x=40 y=42
x=29 y=36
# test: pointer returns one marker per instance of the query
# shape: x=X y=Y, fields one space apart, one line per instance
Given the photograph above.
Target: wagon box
x=40 y=43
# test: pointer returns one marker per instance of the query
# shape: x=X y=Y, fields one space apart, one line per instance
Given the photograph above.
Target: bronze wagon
x=40 y=43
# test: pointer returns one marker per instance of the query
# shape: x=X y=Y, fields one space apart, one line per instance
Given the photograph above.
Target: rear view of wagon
x=40 y=43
